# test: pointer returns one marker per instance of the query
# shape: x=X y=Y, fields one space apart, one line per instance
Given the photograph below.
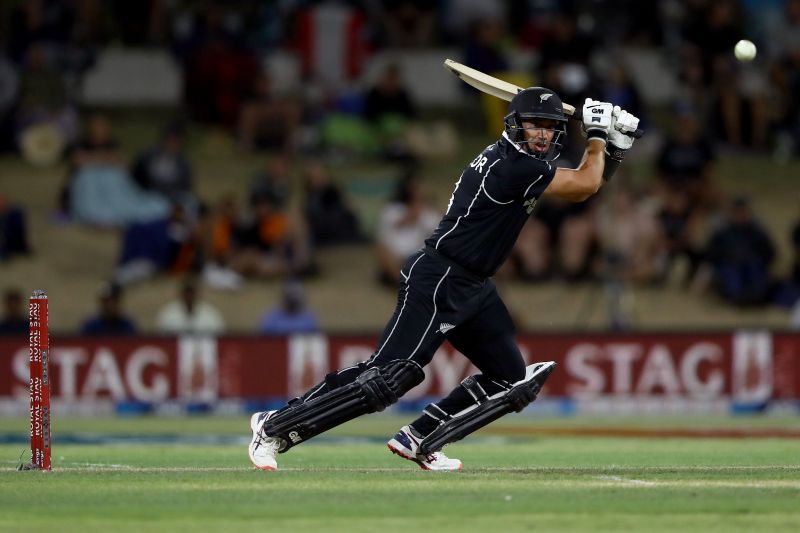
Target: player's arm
x=576 y=185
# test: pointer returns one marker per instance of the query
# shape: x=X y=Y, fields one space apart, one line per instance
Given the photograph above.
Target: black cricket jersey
x=491 y=202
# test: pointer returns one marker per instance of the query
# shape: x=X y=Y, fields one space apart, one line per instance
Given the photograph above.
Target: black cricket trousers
x=439 y=300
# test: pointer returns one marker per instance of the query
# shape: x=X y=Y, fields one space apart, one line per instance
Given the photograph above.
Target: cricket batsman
x=446 y=292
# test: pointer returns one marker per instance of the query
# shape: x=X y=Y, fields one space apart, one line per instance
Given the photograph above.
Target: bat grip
x=578 y=115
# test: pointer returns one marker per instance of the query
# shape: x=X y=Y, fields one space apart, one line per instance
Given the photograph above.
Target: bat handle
x=578 y=115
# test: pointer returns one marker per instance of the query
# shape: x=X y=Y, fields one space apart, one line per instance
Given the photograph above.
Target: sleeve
x=524 y=177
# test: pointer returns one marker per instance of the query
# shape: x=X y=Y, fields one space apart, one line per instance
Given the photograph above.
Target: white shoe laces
x=269 y=444
x=436 y=456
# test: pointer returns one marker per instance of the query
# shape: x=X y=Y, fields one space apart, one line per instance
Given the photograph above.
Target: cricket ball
x=745 y=50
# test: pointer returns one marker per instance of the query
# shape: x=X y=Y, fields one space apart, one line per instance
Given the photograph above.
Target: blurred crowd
x=680 y=223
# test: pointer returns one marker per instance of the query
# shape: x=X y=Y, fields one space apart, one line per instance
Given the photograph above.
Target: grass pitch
x=165 y=474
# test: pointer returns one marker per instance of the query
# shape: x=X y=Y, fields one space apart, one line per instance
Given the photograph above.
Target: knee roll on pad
x=373 y=390
x=487 y=408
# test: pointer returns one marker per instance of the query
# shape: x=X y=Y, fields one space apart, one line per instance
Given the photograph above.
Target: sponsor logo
x=544 y=97
x=529 y=205
x=444 y=327
x=294 y=437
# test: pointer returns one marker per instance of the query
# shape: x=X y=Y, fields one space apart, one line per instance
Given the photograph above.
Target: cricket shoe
x=406 y=444
x=262 y=449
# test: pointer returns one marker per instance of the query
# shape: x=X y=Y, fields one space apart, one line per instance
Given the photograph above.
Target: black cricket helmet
x=533 y=103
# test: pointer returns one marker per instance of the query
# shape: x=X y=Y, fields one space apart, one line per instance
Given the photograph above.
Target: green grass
x=508 y=484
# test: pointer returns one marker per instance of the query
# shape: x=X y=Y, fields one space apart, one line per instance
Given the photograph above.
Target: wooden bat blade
x=483 y=82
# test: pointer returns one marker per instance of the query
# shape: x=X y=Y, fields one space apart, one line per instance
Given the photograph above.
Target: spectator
x=389 y=98
x=268 y=121
x=686 y=163
x=98 y=146
x=680 y=231
x=14 y=321
x=740 y=254
x=628 y=234
x=110 y=320
x=177 y=244
x=101 y=192
x=219 y=71
x=222 y=227
x=460 y=15
x=271 y=241
x=483 y=50
x=13 y=231
x=38 y=21
x=331 y=221
x=408 y=23
x=273 y=182
x=165 y=169
x=405 y=222
x=712 y=33
x=562 y=232
x=389 y=108
x=619 y=89
x=190 y=316
x=531 y=257
x=566 y=45
x=292 y=315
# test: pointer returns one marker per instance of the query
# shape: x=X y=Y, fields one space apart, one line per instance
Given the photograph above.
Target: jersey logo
x=444 y=327
x=544 y=97
x=529 y=205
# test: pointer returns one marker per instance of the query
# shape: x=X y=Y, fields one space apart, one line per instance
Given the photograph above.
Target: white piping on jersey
x=532 y=184
x=453 y=196
x=492 y=199
x=401 y=310
x=432 y=316
x=470 y=204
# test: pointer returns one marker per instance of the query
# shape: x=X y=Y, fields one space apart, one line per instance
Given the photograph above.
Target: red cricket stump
x=39 y=344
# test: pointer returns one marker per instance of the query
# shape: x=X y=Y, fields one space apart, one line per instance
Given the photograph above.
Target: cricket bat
x=502 y=89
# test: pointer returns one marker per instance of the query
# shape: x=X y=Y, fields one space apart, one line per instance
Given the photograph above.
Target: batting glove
x=597 y=119
x=623 y=125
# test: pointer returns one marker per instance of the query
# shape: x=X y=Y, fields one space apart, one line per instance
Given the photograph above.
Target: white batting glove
x=622 y=128
x=597 y=119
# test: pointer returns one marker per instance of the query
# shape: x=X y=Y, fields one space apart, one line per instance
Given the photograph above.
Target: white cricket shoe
x=406 y=444
x=262 y=449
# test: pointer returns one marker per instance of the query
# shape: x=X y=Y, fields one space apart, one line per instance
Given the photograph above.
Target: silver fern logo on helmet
x=544 y=97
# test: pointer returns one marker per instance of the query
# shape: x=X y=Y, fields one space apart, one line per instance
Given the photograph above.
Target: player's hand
x=622 y=127
x=597 y=118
